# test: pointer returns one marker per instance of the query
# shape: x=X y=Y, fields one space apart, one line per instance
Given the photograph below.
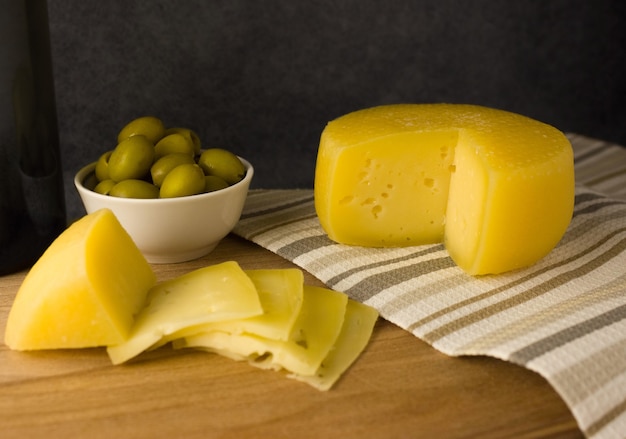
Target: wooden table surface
x=400 y=387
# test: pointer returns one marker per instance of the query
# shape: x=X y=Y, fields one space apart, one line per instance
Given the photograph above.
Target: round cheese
x=497 y=188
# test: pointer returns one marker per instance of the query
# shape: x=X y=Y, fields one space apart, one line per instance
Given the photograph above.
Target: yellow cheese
x=496 y=187
x=314 y=333
x=280 y=294
x=84 y=290
x=355 y=334
x=214 y=293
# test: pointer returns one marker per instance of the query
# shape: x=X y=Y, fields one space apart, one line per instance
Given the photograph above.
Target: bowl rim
x=88 y=169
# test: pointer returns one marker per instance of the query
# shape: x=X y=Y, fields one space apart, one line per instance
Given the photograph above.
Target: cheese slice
x=214 y=293
x=314 y=333
x=280 y=294
x=355 y=334
x=496 y=187
x=84 y=290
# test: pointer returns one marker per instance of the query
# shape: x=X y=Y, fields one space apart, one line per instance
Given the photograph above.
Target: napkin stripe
x=604 y=366
x=287 y=211
x=503 y=288
x=593 y=159
x=276 y=240
x=297 y=248
x=379 y=264
x=600 y=165
x=564 y=317
x=261 y=200
x=601 y=411
x=559 y=311
x=276 y=207
x=567 y=335
x=586 y=196
x=593 y=382
x=606 y=419
x=609 y=176
x=366 y=289
x=597 y=206
x=596 y=150
x=277 y=223
x=528 y=294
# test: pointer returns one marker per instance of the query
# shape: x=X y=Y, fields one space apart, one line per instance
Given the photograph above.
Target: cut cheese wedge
x=280 y=294
x=84 y=290
x=314 y=333
x=215 y=293
x=496 y=187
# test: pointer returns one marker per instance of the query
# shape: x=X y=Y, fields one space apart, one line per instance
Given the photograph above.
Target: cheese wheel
x=497 y=188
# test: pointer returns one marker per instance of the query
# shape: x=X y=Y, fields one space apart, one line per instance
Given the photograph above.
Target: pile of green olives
x=151 y=161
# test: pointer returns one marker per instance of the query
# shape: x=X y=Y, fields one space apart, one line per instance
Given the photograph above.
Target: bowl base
x=175 y=258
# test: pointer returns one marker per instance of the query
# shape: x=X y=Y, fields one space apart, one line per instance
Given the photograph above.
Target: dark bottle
x=32 y=205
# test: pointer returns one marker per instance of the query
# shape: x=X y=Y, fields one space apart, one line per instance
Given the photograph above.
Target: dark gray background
x=262 y=78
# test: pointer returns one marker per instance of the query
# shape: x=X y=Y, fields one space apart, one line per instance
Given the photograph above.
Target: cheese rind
x=84 y=290
x=496 y=187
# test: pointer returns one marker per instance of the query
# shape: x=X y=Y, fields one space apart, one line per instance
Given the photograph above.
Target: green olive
x=222 y=163
x=149 y=126
x=90 y=181
x=165 y=164
x=104 y=187
x=151 y=161
x=213 y=183
x=183 y=180
x=174 y=143
x=134 y=189
x=102 y=166
x=131 y=159
x=189 y=133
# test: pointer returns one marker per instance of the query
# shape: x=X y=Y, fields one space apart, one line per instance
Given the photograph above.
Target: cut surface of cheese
x=496 y=187
x=355 y=334
x=84 y=290
x=215 y=293
x=314 y=333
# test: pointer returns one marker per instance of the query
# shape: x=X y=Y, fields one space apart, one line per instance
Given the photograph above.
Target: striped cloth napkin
x=564 y=317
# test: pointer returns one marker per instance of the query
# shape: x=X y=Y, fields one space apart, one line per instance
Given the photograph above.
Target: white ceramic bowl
x=170 y=230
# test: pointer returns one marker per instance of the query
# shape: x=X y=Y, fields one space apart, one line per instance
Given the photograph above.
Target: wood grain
x=400 y=387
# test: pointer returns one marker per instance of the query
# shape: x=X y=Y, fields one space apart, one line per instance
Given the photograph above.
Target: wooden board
x=400 y=387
